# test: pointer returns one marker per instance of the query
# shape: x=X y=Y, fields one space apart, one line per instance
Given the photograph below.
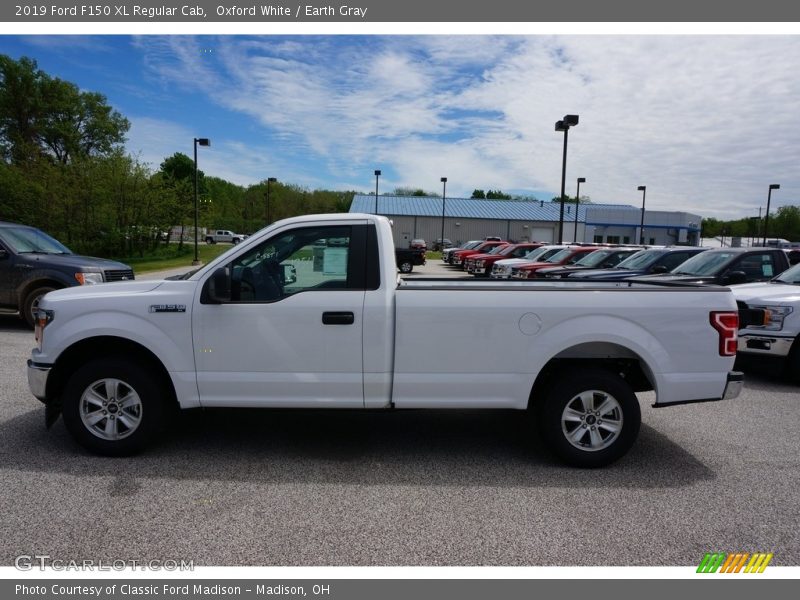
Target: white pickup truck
x=310 y=313
x=224 y=236
x=779 y=338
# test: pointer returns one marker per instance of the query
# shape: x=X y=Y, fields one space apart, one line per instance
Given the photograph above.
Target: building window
x=652 y=242
x=612 y=239
x=626 y=239
x=598 y=239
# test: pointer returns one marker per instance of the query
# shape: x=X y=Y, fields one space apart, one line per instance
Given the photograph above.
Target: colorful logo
x=730 y=562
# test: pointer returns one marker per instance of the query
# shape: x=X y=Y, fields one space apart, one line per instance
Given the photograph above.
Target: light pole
x=564 y=125
x=643 y=189
x=269 y=180
x=577 y=202
x=772 y=186
x=444 y=189
x=201 y=142
x=377 y=174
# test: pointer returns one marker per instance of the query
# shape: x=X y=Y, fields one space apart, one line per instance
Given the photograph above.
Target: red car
x=457 y=258
x=480 y=265
x=567 y=256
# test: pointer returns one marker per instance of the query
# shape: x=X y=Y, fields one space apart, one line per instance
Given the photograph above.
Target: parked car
x=650 y=260
x=777 y=340
x=502 y=268
x=468 y=263
x=407 y=258
x=418 y=244
x=458 y=257
x=567 y=256
x=481 y=265
x=439 y=245
x=32 y=264
x=448 y=251
x=602 y=258
x=224 y=235
x=728 y=266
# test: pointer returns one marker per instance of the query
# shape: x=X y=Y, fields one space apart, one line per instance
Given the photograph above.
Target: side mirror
x=217 y=289
x=734 y=277
x=659 y=269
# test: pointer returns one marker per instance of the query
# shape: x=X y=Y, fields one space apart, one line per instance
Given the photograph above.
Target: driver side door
x=287 y=329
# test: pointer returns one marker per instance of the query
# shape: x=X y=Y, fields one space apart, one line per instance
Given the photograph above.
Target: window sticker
x=334 y=261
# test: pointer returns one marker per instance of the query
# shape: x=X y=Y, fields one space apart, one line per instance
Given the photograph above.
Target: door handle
x=338 y=318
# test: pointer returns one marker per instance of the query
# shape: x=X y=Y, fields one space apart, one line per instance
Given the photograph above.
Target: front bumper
x=37 y=379
x=765 y=345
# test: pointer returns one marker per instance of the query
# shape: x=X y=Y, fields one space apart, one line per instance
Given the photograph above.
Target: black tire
x=32 y=302
x=792 y=369
x=209 y=240
x=111 y=436
x=236 y=241
x=406 y=266
x=587 y=440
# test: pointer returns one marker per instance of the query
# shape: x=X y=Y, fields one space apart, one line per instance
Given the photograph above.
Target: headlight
x=479 y=263
x=89 y=278
x=776 y=315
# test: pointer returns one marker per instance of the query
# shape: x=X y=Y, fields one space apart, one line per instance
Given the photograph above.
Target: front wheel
x=590 y=419
x=31 y=304
x=406 y=266
x=113 y=407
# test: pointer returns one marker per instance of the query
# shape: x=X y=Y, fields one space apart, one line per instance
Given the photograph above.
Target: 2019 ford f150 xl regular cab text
x=270 y=324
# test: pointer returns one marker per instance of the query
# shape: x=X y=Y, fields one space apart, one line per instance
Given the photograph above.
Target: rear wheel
x=113 y=407
x=209 y=240
x=590 y=419
x=31 y=303
x=406 y=266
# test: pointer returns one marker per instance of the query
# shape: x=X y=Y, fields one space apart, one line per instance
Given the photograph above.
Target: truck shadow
x=424 y=448
x=12 y=322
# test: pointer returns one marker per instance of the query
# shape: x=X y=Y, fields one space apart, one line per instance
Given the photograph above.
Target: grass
x=173 y=260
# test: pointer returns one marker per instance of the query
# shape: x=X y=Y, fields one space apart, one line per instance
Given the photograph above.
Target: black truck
x=32 y=263
x=407 y=258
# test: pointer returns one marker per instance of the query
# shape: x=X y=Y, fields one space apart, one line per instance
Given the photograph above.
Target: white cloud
x=706 y=122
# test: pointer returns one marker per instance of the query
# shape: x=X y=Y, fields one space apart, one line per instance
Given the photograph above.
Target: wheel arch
x=106 y=346
x=31 y=284
x=612 y=357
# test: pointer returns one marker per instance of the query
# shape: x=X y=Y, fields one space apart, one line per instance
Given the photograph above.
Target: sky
x=706 y=122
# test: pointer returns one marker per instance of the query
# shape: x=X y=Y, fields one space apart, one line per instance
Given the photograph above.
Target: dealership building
x=420 y=217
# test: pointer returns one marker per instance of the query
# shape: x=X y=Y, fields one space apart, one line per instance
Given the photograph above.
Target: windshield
x=791 y=275
x=640 y=260
x=29 y=239
x=594 y=258
x=541 y=253
x=496 y=250
x=559 y=256
x=705 y=263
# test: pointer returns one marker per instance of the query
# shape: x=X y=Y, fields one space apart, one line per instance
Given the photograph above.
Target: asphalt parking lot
x=408 y=488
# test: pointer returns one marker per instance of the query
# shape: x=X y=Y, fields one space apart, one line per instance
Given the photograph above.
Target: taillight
x=727 y=326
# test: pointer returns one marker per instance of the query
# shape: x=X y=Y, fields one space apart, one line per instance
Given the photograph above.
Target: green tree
x=786 y=223
x=478 y=194
x=46 y=116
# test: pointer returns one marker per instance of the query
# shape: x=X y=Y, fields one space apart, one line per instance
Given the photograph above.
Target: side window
x=300 y=260
x=673 y=259
x=757 y=266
